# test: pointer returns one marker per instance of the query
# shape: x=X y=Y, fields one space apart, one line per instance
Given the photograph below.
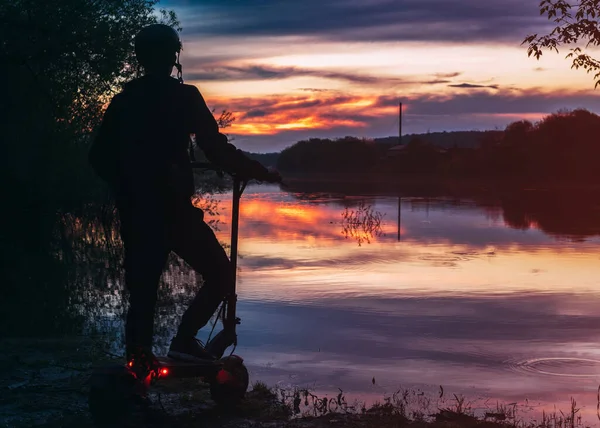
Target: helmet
x=156 y=43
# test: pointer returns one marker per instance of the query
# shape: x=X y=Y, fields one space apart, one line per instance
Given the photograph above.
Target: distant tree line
x=562 y=146
x=444 y=139
x=348 y=154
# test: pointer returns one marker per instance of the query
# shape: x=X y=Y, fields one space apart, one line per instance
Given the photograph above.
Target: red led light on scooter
x=164 y=372
x=223 y=376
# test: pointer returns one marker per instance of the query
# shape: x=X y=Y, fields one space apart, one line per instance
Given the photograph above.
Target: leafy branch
x=574 y=23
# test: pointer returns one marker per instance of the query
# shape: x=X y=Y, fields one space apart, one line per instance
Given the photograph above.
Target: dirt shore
x=44 y=383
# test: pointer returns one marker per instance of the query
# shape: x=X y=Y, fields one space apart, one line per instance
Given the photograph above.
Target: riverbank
x=419 y=184
x=44 y=383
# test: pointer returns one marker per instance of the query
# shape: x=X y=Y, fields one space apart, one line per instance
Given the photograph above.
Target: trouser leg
x=145 y=257
x=195 y=242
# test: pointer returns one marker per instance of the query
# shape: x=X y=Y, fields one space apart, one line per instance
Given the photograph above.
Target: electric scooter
x=116 y=390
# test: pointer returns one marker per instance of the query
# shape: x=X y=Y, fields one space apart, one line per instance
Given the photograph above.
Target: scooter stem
x=238 y=187
x=228 y=336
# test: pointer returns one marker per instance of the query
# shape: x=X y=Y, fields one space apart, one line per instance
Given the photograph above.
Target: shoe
x=188 y=349
x=140 y=359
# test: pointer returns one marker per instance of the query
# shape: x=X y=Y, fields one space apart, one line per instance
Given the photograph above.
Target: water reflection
x=468 y=297
x=571 y=213
x=494 y=296
x=362 y=224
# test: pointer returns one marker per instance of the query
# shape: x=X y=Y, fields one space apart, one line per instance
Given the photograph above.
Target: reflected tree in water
x=91 y=252
x=362 y=223
x=571 y=214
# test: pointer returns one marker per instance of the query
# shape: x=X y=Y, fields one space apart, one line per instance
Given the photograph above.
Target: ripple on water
x=442 y=260
x=558 y=366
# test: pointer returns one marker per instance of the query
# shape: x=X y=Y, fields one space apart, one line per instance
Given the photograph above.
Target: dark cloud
x=313 y=90
x=265 y=72
x=256 y=113
x=436 y=82
x=447 y=75
x=262 y=72
x=472 y=86
x=385 y=20
x=503 y=102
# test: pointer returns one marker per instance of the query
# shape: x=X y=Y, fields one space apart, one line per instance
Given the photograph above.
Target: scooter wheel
x=230 y=384
x=111 y=397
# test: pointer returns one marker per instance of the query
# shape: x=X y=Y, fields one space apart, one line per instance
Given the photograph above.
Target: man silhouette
x=141 y=150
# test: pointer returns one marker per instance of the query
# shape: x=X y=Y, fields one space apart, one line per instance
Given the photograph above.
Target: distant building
x=396 y=151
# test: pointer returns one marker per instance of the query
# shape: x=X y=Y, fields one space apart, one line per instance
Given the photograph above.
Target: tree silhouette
x=62 y=62
x=560 y=149
x=342 y=155
x=574 y=23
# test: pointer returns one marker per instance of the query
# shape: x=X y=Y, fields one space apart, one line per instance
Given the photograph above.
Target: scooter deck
x=170 y=367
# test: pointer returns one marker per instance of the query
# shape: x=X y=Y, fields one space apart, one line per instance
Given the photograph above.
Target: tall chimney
x=400 y=124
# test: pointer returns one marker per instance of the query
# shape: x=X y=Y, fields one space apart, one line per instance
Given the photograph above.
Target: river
x=442 y=292
x=497 y=302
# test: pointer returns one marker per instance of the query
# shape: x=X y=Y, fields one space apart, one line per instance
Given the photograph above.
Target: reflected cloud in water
x=461 y=299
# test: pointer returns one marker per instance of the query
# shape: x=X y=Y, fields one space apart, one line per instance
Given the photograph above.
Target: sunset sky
x=296 y=69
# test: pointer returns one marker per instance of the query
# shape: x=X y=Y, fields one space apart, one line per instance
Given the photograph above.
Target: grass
x=409 y=408
x=44 y=383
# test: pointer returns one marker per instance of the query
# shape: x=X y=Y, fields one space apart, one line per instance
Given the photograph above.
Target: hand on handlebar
x=272 y=176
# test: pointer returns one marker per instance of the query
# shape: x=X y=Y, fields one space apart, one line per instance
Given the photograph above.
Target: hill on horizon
x=445 y=139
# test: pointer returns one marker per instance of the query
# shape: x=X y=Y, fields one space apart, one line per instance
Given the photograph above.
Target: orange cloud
x=268 y=116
